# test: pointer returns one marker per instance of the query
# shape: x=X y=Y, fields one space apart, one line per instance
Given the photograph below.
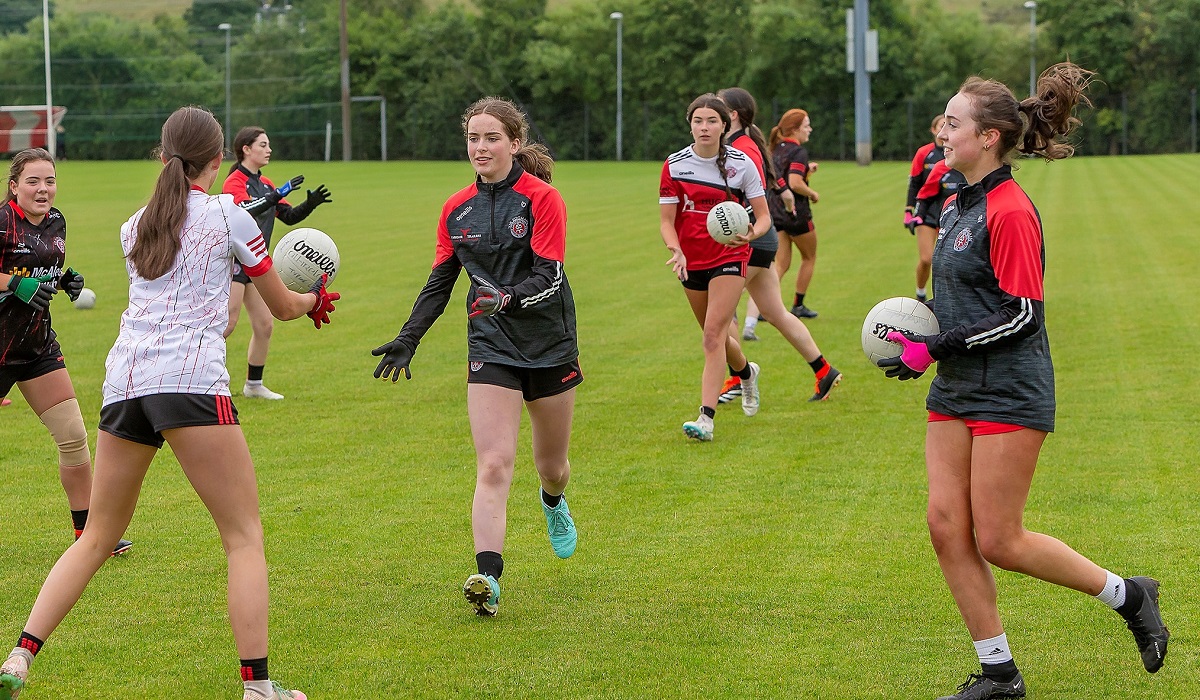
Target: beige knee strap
x=65 y=423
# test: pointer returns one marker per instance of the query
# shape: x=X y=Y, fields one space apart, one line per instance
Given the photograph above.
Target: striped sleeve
x=248 y=245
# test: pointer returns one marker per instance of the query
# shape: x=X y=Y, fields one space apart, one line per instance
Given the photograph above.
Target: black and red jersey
x=922 y=163
x=251 y=191
x=791 y=158
x=941 y=183
x=744 y=143
x=988 y=269
x=512 y=235
x=694 y=185
x=28 y=250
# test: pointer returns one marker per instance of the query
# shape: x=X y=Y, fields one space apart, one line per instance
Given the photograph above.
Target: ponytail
x=536 y=160
x=789 y=122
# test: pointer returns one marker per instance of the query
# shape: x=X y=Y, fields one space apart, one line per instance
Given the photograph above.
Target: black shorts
x=805 y=226
x=760 y=258
x=143 y=419
x=698 y=279
x=930 y=219
x=533 y=382
x=47 y=362
x=239 y=275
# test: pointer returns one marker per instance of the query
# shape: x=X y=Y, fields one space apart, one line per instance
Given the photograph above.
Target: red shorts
x=978 y=427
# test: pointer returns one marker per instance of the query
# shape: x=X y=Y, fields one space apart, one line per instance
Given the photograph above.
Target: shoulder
x=679 y=155
x=1010 y=209
x=236 y=179
x=535 y=188
x=460 y=197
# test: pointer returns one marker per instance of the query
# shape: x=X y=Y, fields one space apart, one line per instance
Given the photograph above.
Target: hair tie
x=181 y=160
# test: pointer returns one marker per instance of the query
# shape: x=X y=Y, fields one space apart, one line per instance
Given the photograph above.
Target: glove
x=318 y=197
x=324 y=305
x=71 y=283
x=489 y=301
x=289 y=186
x=912 y=361
x=396 y=357
x=33 y=291
x=911 y=221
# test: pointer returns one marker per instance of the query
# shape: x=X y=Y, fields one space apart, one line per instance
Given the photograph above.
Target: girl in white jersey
x=166 y=380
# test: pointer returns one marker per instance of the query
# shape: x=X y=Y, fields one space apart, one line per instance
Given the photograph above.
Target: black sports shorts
x=698 y=279
x=533 y=382
x=760 y=258
x=143 y=419
x=239 y=275
x=47 y=362
x=805 y=226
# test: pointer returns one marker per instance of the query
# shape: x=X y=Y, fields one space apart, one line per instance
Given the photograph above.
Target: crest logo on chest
x=962 y=240
x=518 y=227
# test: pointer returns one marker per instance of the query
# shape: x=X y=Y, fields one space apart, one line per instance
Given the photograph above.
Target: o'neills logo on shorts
x=476 y=366
x=570 y=376
x=962 y=240
x=518 y=227
x=732 y=268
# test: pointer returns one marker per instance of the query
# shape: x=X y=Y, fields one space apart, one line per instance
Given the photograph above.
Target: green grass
x=787 y=558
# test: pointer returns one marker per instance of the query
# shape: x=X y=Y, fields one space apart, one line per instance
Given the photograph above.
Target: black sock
x=799 y=299
x=549 y=500
x=744 y=372
x=1002 y=672
x=490 y=564
x=818 y=364
x=79 y=518
x=710 y=412
x=29 y=642
x=1134 y=595
x=732 y=371
x=254 y=372
x=254 y=669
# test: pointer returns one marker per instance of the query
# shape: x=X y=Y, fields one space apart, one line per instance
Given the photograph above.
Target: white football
x=897 y=313
x=727 y=220
x=86 y=299
x=303 y=255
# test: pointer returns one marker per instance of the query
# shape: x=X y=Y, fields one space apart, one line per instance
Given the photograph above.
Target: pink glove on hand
x=913 y=360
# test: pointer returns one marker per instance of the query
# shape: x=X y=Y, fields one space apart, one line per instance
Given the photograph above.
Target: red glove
x=324 y=304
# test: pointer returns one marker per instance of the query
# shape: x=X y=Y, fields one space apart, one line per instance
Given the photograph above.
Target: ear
x=991 y=137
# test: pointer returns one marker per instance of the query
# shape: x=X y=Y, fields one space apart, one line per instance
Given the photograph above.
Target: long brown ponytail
x=742 y=102
x=789 y=122
x=191 y=139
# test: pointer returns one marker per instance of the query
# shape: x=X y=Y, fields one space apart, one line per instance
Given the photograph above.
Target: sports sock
x=79 y=519
x=29 y=643
x=799 y=299
x=254 y=374
x=751 y=323
x=706 y=411
x=996 y=658
x=490 y=564
x=1114 y=592
x=732 y=371
x=254 y=669
x=920 y=292
x=744 y=373
x=263 y=688
x=1134 y=595
x=550 y=501
x=819 y=366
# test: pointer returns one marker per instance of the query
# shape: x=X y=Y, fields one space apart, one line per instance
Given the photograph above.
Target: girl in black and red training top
x=992 y=402
x=942 y=183
x=33 y=244
x=508 y=230
x=694 y=180
x=923 y=227
x=255 y=193
x=790 y=158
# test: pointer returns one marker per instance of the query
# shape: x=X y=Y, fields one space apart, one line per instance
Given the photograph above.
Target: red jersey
x=695 y=185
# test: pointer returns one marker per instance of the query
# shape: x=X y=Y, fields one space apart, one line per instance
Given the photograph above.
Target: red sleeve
x=235 y=185
x=746 y=145
x=1016 y=242
x=918 y=163
x=445 y=247
x=934 y=182
x=667 y=187
x=549 y=238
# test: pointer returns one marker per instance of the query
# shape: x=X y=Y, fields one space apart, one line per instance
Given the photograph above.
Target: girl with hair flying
x=255 y=193
x=33 y=243
x=508 y=231
x=790 y=158
x=992 y=402
x=166 y=381
x=694 y=180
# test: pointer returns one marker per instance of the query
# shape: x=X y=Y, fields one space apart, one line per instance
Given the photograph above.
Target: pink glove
x=913 y=360
x=911 y=220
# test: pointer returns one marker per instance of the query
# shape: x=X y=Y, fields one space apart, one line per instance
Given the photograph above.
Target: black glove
x=290 y=185
x=33 y=291
x=71 y=283
x=396 y=357
x=318 y=197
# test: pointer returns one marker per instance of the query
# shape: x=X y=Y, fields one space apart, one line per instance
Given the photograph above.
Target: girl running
x=694 y=180
x=923 y=224
x=508 y=230
x=992 y=402
x=166 y=381
x=790 y=158
x=32 y=252
x=256 y=194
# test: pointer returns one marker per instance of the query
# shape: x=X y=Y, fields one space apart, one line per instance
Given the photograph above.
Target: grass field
x=788 y=558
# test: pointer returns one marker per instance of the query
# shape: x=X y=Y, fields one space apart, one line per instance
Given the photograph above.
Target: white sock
x=253 y=382
x=920 y=291
x=751 y=322
x=1113 y=593
x=263 y=688
x=994 y=650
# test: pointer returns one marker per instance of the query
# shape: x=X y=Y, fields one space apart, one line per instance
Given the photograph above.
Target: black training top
x=28 y=250
x=254 y=193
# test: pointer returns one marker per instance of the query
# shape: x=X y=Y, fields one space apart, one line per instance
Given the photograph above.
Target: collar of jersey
x=17 y=208
x=511 y=179
x=968 y=194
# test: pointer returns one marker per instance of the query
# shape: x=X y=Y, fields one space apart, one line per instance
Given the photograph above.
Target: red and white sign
x=25 y=127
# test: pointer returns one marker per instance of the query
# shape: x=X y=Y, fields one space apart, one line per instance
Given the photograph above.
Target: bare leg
x=551 y=419
x=764 y=286
x=495 y=415
x=262 y=325
x=237 y=292
x=714 y=311
x=926 y=238
x=807 y=245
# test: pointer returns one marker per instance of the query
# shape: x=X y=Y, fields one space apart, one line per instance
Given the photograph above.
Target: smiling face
x=34 y=189
x=968 y=151
x=257 y=154
x=707 y=129
x=489 y=147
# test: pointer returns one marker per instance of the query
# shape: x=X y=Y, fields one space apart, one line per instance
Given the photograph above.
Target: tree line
x=119 y=78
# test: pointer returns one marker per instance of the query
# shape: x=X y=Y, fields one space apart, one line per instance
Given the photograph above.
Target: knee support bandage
x=65 y=423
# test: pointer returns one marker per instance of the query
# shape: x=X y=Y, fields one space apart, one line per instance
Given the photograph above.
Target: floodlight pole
x=1031 y=5
x=226 y=27
x=344 y=50
x=51 y=140
x=620 y=86
x=862 y=85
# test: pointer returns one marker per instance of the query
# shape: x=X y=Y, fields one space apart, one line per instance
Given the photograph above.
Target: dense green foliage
x=429 y=60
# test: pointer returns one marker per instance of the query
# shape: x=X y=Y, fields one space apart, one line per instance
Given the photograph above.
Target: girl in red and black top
x=693 y=181
x=255 y=193
x=923 y=227
x=508 y=231
x=992 y=402
x=33 y=244
x=790 y=158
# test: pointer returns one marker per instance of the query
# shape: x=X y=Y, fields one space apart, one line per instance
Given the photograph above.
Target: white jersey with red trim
x=695 y=186
x=170 y=339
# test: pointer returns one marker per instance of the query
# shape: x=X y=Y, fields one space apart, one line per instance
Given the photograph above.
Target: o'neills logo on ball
x=476 y=366
x=518 y=227
x=962 y=240
x=315 y=257
x=722 y=217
